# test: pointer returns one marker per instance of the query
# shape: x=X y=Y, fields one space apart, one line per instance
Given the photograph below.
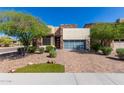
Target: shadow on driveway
x=115 y=58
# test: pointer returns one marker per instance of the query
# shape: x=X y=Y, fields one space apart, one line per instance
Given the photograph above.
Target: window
x=116 y=40
x=122 y=40
x=47 y=40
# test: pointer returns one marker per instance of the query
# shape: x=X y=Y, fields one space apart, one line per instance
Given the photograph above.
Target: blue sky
x=72 y=15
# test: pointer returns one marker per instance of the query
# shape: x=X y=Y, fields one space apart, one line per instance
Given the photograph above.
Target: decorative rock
x=30 y=63
x=12 y=70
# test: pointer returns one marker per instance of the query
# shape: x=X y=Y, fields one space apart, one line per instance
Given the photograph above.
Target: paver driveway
x=84 y=62
x=73 y=61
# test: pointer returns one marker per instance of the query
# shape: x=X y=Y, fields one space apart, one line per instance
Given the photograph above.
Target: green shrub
x=96 y=47
x=49 y=48
x=40 y=50
x=31 y=49
x=106 y=50
x=52 y=53
x=120 y=52
x=6 y=41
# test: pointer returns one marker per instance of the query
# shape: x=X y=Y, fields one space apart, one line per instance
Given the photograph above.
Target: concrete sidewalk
x=62 y=79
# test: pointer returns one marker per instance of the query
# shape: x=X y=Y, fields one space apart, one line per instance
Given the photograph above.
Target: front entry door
x=57 y=42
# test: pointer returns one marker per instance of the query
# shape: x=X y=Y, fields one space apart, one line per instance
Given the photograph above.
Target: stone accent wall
x=61 y=42
x=88 y=44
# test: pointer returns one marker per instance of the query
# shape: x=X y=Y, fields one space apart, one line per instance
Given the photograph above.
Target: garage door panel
x=74 y=44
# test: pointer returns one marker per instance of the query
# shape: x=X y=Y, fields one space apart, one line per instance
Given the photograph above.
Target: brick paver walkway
x=73 y=61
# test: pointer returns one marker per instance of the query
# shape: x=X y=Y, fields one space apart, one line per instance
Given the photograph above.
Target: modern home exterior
x=68 y=37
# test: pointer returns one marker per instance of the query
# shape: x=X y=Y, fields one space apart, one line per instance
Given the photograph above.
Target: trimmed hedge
x=106 y=50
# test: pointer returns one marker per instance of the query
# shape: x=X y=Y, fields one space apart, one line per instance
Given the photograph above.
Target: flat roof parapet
x=68 y=25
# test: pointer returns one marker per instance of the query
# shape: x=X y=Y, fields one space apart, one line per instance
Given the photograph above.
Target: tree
x=24 y=26
x=120 y=28
x=104 y=33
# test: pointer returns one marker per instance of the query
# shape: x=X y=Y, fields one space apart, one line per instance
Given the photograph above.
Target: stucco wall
x=53 y=29
x=76 y=33
x=118 y=45
x=52 y=40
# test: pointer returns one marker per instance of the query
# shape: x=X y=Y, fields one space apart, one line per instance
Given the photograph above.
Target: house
x=120 y=20
x=69 y=37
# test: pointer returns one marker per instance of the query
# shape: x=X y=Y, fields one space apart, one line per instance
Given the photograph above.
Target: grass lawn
x=41 y=68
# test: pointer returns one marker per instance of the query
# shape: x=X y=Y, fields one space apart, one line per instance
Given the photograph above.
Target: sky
x=72 y=15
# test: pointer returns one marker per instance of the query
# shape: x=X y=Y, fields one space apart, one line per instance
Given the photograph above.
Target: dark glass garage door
x=74 y=44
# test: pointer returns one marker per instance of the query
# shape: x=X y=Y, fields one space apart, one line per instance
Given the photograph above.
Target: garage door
x=74 y=44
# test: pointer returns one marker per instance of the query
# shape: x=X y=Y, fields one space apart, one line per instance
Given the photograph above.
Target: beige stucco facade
x=119 y=44
x=53 y=29
x=76 y=33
